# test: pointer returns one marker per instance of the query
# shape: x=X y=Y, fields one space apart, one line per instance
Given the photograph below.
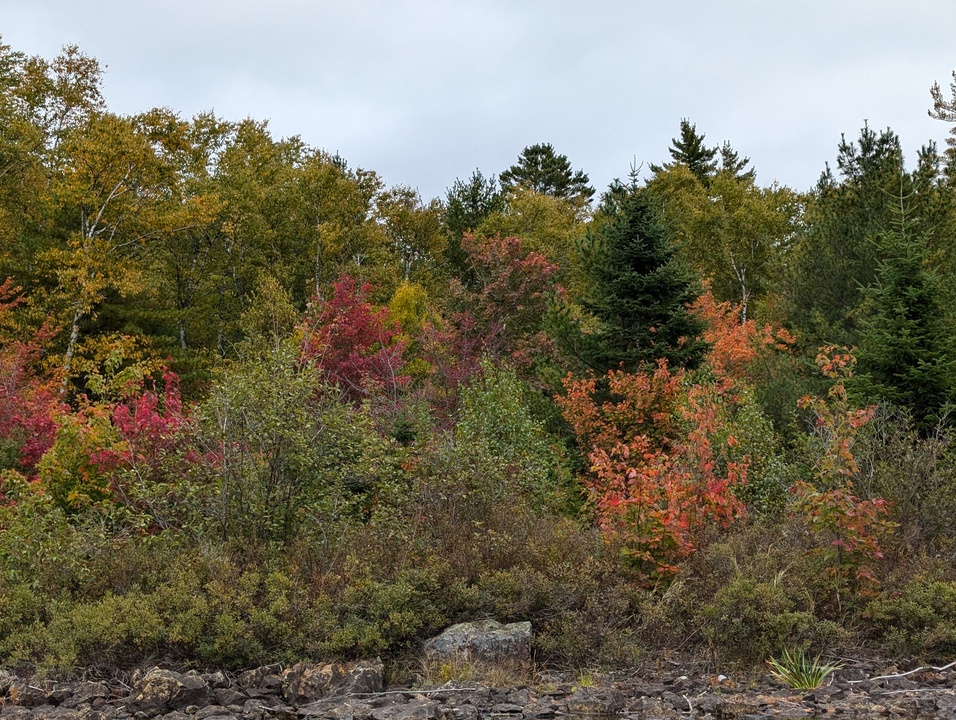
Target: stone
x=255 y=678
x=595 y=701
x=306 y=683
x=482 y=641
x=506 y=709
x=211 y=711
x=160 y=691
x=463 y=712
x=85 y=693
x=419 y=709
x=216 y=680
x=229 y=696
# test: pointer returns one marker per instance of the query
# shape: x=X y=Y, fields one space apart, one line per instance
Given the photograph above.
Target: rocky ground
x=355 y=692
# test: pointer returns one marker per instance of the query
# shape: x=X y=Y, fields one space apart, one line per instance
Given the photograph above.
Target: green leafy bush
x=918 y=618
x=750 y=620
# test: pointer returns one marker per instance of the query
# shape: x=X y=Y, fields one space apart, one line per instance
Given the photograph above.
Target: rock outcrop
x=484 y=641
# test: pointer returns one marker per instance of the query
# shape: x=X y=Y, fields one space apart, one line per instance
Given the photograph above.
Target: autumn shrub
x=656 y=480
x=357 y=345
x=848 y=530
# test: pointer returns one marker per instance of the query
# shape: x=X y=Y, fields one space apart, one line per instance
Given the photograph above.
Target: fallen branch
x=908 y=672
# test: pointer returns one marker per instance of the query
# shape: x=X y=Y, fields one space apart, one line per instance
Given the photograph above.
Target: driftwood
x=895 y=676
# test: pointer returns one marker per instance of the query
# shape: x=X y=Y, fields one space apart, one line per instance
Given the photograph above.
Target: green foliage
x=467 y=204
x=837 y=253
x=287 y=453
x=919 y=617
x=542 y=170
x=799 y=671
x=277 y=520
x=749 y=620
x=689 y=150
x=497 y=438
x=916 y=475
x=736 y=234
x=907 y=356
x=639 y=296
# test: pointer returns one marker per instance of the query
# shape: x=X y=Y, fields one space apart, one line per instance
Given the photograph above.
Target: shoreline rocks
x=353 y=691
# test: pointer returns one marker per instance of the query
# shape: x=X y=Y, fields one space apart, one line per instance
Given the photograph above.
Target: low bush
x=918 y=618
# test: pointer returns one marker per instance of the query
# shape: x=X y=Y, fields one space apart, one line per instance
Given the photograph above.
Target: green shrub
x=918 y=619
x=749 y=620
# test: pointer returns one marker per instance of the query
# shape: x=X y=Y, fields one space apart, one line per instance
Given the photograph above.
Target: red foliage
x=500 y=318
x=28 y=397
x=639 y=404
x=354 y=343
x=735 y=345
x=149 y=425
x=506 y=310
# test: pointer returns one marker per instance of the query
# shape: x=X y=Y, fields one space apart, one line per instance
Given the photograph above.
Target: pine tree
x=467 y=204
x=731 y=162
x=639 y=293
x=690 y=150
x=542 y=170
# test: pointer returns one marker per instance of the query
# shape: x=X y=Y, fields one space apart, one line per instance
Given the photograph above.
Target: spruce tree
x=639 y=293
x=906 y=355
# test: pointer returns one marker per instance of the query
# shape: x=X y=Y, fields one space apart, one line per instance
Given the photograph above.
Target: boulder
x=266 y=676
x=306 y=683
x=482 y=641
x=596 y=701
x=160 y=691
x=416 y=709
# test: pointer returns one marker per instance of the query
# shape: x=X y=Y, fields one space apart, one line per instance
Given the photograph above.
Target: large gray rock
x=415 y=709
x=596 y=701
x=160 y=691
x=306 y=683
x=482 y=641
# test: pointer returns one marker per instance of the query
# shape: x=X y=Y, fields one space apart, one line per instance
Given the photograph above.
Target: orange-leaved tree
x=666 y=458
x=656 y=481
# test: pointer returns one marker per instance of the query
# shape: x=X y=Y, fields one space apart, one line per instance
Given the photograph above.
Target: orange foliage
x=655 y=481
x=659 y=476
x=735 y=345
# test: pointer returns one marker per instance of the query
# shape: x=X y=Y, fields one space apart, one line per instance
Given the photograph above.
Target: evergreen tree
x=906 y=356
x=837 y=254
x=541 y=169
x=639 y=293
x=689 y=150
x=731 y=162
x=467 y=205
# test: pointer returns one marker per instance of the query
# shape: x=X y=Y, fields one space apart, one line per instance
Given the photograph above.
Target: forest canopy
x=258 y=405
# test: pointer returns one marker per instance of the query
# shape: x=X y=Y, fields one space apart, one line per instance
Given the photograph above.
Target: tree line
x=258 y=404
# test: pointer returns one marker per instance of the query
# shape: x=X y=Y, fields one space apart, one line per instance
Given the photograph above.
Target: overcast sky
x=425 y=91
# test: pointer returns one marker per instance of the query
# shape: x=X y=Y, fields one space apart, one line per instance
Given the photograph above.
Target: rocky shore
x=356 y=692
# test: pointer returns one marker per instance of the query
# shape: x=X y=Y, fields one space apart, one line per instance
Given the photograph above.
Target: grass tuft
x=800 y=672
